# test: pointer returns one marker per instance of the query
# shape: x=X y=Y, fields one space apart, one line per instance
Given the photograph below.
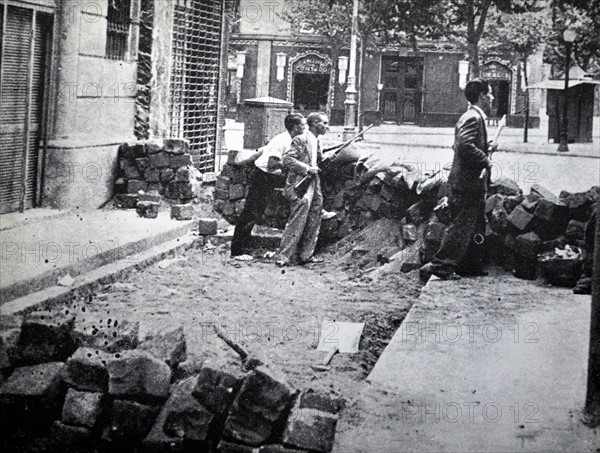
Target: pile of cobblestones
x=384 y=196
x=81 y=381
x=520 y=228
x=231 y=189
x=152 y=169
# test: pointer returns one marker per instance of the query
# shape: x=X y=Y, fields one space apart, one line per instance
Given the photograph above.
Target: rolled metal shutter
x=25 y=37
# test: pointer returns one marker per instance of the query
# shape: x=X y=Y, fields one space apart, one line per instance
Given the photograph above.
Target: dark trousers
x=461 y=250
x=261 y=188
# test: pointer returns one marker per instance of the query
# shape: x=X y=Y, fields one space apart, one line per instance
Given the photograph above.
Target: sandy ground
x=274 y=313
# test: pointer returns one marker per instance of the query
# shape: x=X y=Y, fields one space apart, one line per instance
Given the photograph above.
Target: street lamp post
x=569 y=35
x=350 y=102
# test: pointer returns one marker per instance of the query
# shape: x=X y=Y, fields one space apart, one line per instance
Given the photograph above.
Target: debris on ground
x=167 y=262
x=67 y=280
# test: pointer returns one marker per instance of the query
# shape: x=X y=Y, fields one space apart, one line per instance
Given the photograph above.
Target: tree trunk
x=475 y=31
x=473 y=51
x=472 y=41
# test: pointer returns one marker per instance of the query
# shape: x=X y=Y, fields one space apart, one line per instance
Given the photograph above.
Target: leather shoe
x=313 y=260
x=425 y=272
x=584 y=286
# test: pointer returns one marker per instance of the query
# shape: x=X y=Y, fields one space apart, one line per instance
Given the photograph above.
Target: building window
x=117 y=32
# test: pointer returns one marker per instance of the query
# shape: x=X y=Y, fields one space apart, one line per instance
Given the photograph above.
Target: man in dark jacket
x=460 y=251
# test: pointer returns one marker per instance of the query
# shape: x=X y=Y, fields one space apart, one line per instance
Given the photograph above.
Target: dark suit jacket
x=296 y=160
x=470 y=153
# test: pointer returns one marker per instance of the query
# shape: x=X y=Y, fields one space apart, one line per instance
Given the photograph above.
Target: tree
x=584 y=17
x=333 y=22
x=465 y=20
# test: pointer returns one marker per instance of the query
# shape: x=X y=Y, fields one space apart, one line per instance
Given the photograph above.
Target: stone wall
x=231 y=190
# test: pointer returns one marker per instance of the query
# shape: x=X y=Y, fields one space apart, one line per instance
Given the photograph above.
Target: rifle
x=501 y=125
x=302 y=186
x=348 y=142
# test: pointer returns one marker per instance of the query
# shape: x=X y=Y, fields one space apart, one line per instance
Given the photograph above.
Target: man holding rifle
x=302 y=162
x=266 y=176
x=460 y=251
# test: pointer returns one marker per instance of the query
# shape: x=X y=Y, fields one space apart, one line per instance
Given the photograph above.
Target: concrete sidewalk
x=41 y=249
x=493 y=364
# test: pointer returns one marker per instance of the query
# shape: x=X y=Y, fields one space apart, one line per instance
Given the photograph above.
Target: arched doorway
x=500 y=79
x=309 y=90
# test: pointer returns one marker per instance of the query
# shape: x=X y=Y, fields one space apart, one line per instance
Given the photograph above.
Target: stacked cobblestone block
x=521 y=228
x=160 y=167
x=355 y=203
x=231 y=189
x=117 y=391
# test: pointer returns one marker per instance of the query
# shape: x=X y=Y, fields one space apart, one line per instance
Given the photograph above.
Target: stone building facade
x=72 y=91
x=266 y=58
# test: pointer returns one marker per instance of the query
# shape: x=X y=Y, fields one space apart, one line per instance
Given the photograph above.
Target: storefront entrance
x=310 y=83
x=500 y=79
x=310 y=92
x=402 y=79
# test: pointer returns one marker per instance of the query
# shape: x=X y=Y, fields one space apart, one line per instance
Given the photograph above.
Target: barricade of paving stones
x=357 y=200
x=79 y=381
x=521 y=231
x=354 y=202
x=152 y=169
x=231 y=189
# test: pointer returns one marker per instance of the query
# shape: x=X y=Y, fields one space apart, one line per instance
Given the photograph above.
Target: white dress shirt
x=275 y=148
x=313 y=143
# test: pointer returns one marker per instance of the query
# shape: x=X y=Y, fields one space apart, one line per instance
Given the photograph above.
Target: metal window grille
x=195 y=77
x=117 y=32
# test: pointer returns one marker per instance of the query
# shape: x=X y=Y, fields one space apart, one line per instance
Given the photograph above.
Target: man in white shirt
x=264 y=179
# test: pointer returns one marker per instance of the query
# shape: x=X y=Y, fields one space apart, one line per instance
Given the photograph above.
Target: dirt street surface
x=274 y=313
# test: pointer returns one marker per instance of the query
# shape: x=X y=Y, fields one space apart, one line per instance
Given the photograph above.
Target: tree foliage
x=584 y=17
x=517 y=26
x=380 y=22
x=333 y=22
x=466 y=20
x=518 y=35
